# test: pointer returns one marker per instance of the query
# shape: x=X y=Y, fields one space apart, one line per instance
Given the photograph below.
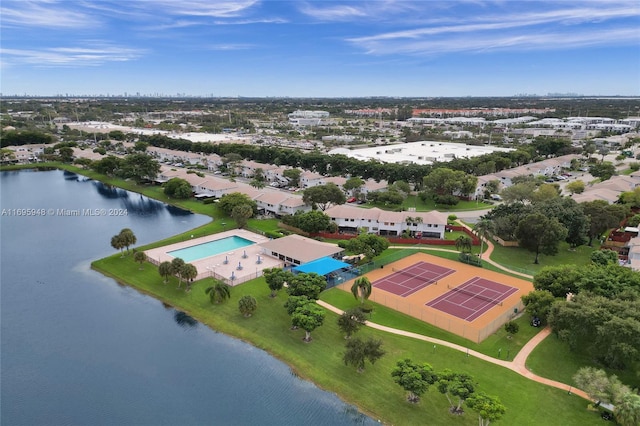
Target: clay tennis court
x=406 y=281
x=466 y=300
x=473 y=298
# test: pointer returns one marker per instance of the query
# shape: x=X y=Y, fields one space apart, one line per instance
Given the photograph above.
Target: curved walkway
x=518 y=364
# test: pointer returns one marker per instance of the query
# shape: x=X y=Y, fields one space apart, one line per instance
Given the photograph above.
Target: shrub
x=447 y=200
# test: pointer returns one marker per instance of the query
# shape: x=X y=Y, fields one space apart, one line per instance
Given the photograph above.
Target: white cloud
x=217 y=9
x=75 y=56
x=601 y=24
x=493 y=42
x=231 y=46
x=48 y=14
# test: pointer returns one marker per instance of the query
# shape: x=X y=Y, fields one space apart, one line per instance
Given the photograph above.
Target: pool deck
x=215 y=266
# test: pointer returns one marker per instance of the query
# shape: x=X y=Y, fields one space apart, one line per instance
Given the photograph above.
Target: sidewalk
x=518 y=364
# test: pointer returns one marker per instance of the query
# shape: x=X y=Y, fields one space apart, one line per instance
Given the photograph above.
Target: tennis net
x=476 y=295
x=418 y=276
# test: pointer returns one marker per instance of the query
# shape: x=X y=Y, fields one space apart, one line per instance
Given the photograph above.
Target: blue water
x=200 y=251
x=79 y=349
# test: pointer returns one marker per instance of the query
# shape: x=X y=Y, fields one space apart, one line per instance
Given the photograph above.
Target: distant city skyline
x=253 y=48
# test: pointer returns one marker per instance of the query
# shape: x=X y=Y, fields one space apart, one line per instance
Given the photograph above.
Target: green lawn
x=320 y=361
x=565 y=363
x=521 y=260
x=391 y=318
x=414 y=201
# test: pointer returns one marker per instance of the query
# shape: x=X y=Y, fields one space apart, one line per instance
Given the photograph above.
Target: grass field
x=566 y=363
x=373 y=391
x=320 y=361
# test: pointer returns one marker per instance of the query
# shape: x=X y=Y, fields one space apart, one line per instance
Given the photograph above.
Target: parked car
x=351 y=200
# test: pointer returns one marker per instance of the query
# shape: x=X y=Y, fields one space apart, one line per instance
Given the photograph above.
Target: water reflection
x=108 y=191
x=137 y=204
x=184 y=320
x=70 y=175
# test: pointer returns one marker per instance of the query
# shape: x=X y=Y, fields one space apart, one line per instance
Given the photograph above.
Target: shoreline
x=237 y=329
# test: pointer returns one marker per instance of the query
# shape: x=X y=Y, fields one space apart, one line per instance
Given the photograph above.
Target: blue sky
x=319 y=48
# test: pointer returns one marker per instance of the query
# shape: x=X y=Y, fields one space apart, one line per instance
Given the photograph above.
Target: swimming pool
x=200 y=251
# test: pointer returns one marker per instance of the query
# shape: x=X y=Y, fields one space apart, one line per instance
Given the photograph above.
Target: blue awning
x=322 y=266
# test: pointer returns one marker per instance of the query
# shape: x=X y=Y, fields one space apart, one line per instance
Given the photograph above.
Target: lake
x=79 y=349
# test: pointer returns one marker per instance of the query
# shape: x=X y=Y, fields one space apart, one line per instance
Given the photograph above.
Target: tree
x=308 y=317
x=511 y=328
x=247 y=305
x=231 y=161
x=627 y=410
x=178 y=188
x=354 y=184
x=455 y=385
x=368 y=244
x=309 y=285
x=127 y=237
x=603 y=170
x=606 y=330
x=139 y=167
x=241 y=214
x=361 y=289
x=546 y=191
x=117 y=243
x=538 y=304
x=189 y=273
x=483 y=229
x=293 y=303
x=602 y=216
x=324 y=196
x=350 y=321
x=313 y=221
x=358 y=351
x=165 y=270
x=140 y=257
x=575 y=187
x=66 y=154
x=293 y=175
x=258 y=184
x=570 y=214
x=464 y=244
x=558 y=280
x=218 y=292
x=276 y=278
x=445 y=181
x=598 y=385
x=604 y=257
x=519 y=193
x=176 y=269
x=489 y=408
x=229 y=201
x=413 y=378
x=540 y=234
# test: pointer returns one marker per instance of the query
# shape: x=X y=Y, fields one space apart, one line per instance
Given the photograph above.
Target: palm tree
x=117 y=243
x=189 y=273
x=140 y=257
x=164 y=269
x=463 y=243
x=483 y=229
x=219 y=292
x=176 y=269
x=361 y=288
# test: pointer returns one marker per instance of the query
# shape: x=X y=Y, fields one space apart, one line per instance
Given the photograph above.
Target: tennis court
x=473 y=298
x=466 y=300
x=406 y=281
